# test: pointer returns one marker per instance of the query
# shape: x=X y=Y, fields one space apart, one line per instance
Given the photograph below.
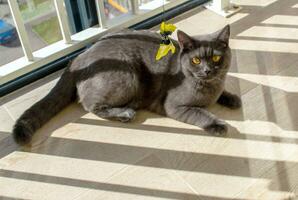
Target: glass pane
x=81 y=14
x=117 y=11
x=10 y=46
x=41 y=22
x=148 y=5
x=115 y=8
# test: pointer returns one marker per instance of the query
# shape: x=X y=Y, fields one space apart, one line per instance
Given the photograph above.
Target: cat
x=119 y=75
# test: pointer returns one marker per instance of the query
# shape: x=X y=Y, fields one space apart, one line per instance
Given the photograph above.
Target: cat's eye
x=216 y=58
x=196 y=61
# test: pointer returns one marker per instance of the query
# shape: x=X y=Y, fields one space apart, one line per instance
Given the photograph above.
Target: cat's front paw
x=218 y=128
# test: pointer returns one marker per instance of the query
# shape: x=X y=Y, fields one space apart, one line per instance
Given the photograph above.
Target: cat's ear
x=185 y=41
x=224 y=35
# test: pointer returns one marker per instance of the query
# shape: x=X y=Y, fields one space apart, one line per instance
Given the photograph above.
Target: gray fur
x=119 y=75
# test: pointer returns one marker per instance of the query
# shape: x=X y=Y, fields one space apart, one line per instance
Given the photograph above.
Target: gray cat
x=119 y=75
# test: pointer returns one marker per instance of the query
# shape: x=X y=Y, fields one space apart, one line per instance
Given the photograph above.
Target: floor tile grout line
x=283 y=69
x=178 y=176
x=8 y=112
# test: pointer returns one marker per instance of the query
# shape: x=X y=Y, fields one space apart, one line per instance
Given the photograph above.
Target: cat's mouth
x=202 y=77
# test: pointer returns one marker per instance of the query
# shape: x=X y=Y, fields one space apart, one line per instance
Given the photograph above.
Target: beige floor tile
x=75 y=170
x=6 y=121
x=271 y=32
x=210 y=164
x=282 y=20
x=133 y=134
x=22 y=188
x=192 y=25
x=273 y=105
x=283 y=179
x=284 y=176
x=18 y=102
x=150 y=182
x=236 y=144
x=284 y=83
x=266 y=98
x=254 y=2
x=262 y=65
x=291 y=71
x=269 y=46
x=77 y=145
x=3 y=135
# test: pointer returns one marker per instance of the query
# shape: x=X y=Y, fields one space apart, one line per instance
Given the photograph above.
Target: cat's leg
x=123 y=114
x=199 y=117
x=229 y=100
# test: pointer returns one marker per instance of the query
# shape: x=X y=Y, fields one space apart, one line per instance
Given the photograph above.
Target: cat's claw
x=217 y=128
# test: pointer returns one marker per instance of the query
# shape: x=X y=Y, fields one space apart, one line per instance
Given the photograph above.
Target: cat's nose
x=207 y=71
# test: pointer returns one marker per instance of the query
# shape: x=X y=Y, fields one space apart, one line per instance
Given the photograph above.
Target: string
x=166 y=44
x=163 y=10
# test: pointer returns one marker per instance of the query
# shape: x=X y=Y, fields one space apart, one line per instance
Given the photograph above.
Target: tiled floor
x=79 y=156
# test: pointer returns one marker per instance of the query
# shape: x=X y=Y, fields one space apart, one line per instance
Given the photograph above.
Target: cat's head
x=205 y=57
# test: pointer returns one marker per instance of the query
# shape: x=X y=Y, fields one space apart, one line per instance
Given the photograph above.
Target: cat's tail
x=37 y=115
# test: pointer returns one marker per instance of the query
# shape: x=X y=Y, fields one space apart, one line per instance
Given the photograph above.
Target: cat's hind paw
x=218 y=128
x=127 y=115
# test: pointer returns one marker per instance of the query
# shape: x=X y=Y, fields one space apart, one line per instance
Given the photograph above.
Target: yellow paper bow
x=166 y=44
x=167 y=28
x=164 y=50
